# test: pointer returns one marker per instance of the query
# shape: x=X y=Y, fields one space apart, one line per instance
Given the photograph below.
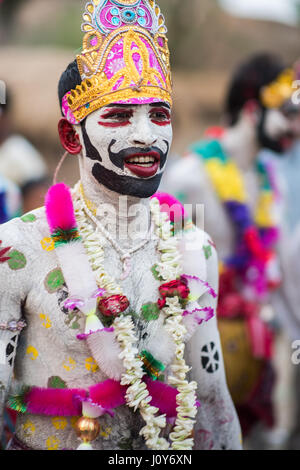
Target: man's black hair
x=68 y=80
x=248 y=81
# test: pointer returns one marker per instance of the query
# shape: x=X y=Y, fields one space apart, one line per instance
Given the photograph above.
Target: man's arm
x=13 y=289
x=217 y=424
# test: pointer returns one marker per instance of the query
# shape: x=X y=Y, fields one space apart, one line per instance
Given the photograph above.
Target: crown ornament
x=125 y=57
x=280 y=90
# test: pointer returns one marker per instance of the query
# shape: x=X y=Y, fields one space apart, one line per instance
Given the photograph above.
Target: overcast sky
x=278 y=10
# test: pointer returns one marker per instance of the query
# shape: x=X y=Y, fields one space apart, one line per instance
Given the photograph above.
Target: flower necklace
x=137 y=395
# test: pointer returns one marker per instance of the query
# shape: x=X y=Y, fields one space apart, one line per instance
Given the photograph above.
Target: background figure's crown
x=125 y=57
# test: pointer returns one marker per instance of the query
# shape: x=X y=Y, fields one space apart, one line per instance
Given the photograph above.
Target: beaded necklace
x=125 y=255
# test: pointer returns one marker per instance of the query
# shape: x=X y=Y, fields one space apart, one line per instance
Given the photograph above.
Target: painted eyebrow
x=153 y=105
x=156 y=105
x=116 y=105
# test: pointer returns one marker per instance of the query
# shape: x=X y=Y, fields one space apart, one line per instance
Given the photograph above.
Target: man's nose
x=142 y=134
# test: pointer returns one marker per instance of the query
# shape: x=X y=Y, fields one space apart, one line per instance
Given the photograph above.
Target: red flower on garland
x=114 y=305
x=173 y=288
x=161 y=303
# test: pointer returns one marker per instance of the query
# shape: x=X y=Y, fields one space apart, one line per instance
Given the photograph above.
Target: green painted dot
x=155 y=273
x=16 y=260
x=150 y=311
x=54 y=281
x=207 y=251
x=28 y=218
x=56 y=382
x=72 y=320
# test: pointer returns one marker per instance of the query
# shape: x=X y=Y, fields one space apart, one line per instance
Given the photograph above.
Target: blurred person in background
x=10 y=207
x=239 y=187
x=287 y=298
x=23 y=184
x=20 y=162
x=289 y=166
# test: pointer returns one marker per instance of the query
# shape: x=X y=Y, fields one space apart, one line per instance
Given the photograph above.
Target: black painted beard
x=122 y=184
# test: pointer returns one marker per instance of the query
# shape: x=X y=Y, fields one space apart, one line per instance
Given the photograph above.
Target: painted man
x=118 y=303
x=238 y=186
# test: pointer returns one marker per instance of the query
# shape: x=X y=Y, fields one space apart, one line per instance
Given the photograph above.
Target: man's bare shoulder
x=26 y=232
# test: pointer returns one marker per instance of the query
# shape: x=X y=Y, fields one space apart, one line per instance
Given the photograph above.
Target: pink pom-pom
x=59 y=208
x=171 y=206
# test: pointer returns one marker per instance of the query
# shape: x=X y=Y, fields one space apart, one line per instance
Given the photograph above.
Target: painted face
x=125 y=147
x=278 y=128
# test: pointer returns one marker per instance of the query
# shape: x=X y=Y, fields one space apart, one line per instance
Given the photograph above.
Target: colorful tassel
x=59 y=208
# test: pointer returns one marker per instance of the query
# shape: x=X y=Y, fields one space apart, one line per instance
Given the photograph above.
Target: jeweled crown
x=276 y=93
x=125 y=57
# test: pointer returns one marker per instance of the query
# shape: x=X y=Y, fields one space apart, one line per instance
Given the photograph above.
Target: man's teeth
x=145 y=161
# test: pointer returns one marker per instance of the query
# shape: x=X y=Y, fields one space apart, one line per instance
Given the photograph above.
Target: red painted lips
x=140 y=169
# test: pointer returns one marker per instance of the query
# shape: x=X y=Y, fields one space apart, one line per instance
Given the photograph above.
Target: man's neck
x=125 y=218
x=240 y=143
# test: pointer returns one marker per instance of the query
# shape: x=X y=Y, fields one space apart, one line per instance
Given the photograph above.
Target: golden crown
x=125 y=57
x=276 y=93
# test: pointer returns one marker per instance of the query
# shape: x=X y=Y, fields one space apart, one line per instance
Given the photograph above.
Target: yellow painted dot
x=47 y=244
x=52 y=443
x=46 y=320
x=31 y=351
x=59 y=422
x=106 y=432
x=69 y=364
x=29 y=428
x=91 y=365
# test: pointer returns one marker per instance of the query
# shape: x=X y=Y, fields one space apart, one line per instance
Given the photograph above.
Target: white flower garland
x=169 y=269
x=137 y=396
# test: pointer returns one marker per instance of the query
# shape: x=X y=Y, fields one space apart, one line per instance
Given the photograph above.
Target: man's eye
x=121 y=116
x=160 y=116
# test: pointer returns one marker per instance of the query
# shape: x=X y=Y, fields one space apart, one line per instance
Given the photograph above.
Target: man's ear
x=69 y=137
x=252 y=110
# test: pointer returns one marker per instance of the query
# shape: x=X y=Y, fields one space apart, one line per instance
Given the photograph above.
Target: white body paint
x=48 y=346
x=140 y=132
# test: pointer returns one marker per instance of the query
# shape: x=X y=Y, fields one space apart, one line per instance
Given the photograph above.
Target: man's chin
x=142 y=188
